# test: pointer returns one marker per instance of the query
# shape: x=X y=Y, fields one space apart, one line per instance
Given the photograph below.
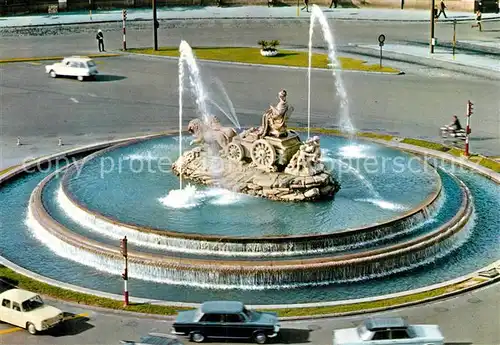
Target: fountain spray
x=181 y=89
x=345 y=121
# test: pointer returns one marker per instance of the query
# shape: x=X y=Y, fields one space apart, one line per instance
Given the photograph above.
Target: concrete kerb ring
x=483 y=171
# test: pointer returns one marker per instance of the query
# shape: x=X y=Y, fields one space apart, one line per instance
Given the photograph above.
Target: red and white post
x=467 y=133
x=124 y=19
x=123 y=250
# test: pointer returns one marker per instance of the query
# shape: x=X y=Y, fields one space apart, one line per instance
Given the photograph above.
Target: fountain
x=268 y=161
x=413 y=222
x=345 y=120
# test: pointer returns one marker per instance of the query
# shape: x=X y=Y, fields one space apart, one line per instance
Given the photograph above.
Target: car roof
x=221 y=307
x=18 y=294
x=379 y=323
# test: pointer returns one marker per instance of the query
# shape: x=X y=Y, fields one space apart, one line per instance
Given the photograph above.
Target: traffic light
x=124 y=14
x=125 y=275
x=123 y=246
x=469 y=108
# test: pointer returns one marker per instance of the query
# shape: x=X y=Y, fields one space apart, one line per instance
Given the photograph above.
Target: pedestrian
x=334 y=3
x=442 y=7
x=306 y=5
x=478 y=21
x=100 y=40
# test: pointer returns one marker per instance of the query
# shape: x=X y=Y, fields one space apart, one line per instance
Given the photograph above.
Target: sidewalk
x=465 y=62
x=243 y=12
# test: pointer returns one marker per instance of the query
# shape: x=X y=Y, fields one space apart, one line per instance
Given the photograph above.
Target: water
x=345 y=123
x=132 y=192
x=480 y=249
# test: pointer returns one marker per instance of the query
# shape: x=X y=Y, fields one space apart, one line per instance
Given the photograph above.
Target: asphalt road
x=140 y=94
x=72 y=39
x=471 y=319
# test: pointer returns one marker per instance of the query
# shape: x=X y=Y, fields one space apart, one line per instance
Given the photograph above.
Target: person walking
x=442 y=7
x=334 y=3
x=100 y=40
x=478 y=21
x=306 y=6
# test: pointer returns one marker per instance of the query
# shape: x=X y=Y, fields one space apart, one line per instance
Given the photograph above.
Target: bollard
x=59 y=142
x=18 y=141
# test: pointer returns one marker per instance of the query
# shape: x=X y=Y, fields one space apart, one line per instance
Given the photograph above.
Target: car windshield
x=32 y=303
x=249 y=314
x=363 y=332
x=90 y=63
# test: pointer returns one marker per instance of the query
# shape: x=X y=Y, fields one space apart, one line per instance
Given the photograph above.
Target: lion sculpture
x=210 y=132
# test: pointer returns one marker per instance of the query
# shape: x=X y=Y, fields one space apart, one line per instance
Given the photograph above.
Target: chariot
x=267 y=152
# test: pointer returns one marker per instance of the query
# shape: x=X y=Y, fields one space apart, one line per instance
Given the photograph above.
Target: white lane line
x=74 y=100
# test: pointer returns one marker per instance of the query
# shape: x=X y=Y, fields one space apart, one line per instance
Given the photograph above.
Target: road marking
x=67 y=318
x=92 y=95
x=74 y=100
x=10 y=330
x=34 y=63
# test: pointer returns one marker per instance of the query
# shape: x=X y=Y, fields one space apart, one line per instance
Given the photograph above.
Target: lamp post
x=155 y=26
x=433 y=39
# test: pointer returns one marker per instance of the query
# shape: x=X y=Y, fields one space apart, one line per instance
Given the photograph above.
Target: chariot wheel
x=234 y=152
x=263 y=154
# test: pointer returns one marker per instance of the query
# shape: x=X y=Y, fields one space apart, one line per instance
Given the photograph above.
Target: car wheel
x=80 y=78
x=260 y=338
x=197 y=337
x=31 y=328
x=52 y=73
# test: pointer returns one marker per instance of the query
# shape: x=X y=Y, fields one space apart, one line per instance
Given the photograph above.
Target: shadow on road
x=293 y=336
x=72 y=326
x=460 y=343
x=108 y=77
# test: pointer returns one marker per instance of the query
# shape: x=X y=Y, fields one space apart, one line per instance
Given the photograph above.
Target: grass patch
x=41 y=288
x=386 y=137
x=252 y=55
x=426 y=144
x=4 y=171
x=27 y=283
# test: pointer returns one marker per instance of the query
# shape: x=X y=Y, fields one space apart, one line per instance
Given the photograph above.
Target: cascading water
x=186 y=197
x=345 y=122
x=231 y=115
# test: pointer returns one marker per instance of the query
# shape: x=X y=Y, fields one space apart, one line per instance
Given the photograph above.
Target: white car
x=80 y=67
x=385 y=331
x=26 y=309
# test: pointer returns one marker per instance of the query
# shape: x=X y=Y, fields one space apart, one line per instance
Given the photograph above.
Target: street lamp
x=155 y=26
x=433 y=17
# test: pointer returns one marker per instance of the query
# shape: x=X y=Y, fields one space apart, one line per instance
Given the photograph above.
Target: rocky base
x=243 y=177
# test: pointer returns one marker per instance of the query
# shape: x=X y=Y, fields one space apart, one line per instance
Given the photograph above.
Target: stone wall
x=41 y=6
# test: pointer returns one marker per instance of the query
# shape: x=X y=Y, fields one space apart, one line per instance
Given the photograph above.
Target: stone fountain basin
x=320 y=270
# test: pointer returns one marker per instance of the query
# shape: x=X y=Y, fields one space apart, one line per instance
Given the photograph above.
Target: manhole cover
x=313 y=327
x=474 y=300
x=441 y=309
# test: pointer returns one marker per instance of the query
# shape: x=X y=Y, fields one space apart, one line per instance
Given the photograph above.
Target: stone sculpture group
x=268 y=161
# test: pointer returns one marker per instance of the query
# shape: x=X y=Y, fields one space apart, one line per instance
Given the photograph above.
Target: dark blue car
x=226 y=320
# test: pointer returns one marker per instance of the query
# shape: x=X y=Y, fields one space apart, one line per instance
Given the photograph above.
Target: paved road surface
x=139 y=94
x=81 y=38
x=471 y=319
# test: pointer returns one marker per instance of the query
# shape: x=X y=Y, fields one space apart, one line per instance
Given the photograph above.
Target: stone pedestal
x=242 y=177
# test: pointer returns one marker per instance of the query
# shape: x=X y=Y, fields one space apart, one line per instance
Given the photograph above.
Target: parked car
x=26 y=309
x=80 y=67
x=384 y=331
x=154 y=339
x=226 y=320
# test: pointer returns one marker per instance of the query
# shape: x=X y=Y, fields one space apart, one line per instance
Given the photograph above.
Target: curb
x=49 y=58
x=245 y=64
x=300 y=18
